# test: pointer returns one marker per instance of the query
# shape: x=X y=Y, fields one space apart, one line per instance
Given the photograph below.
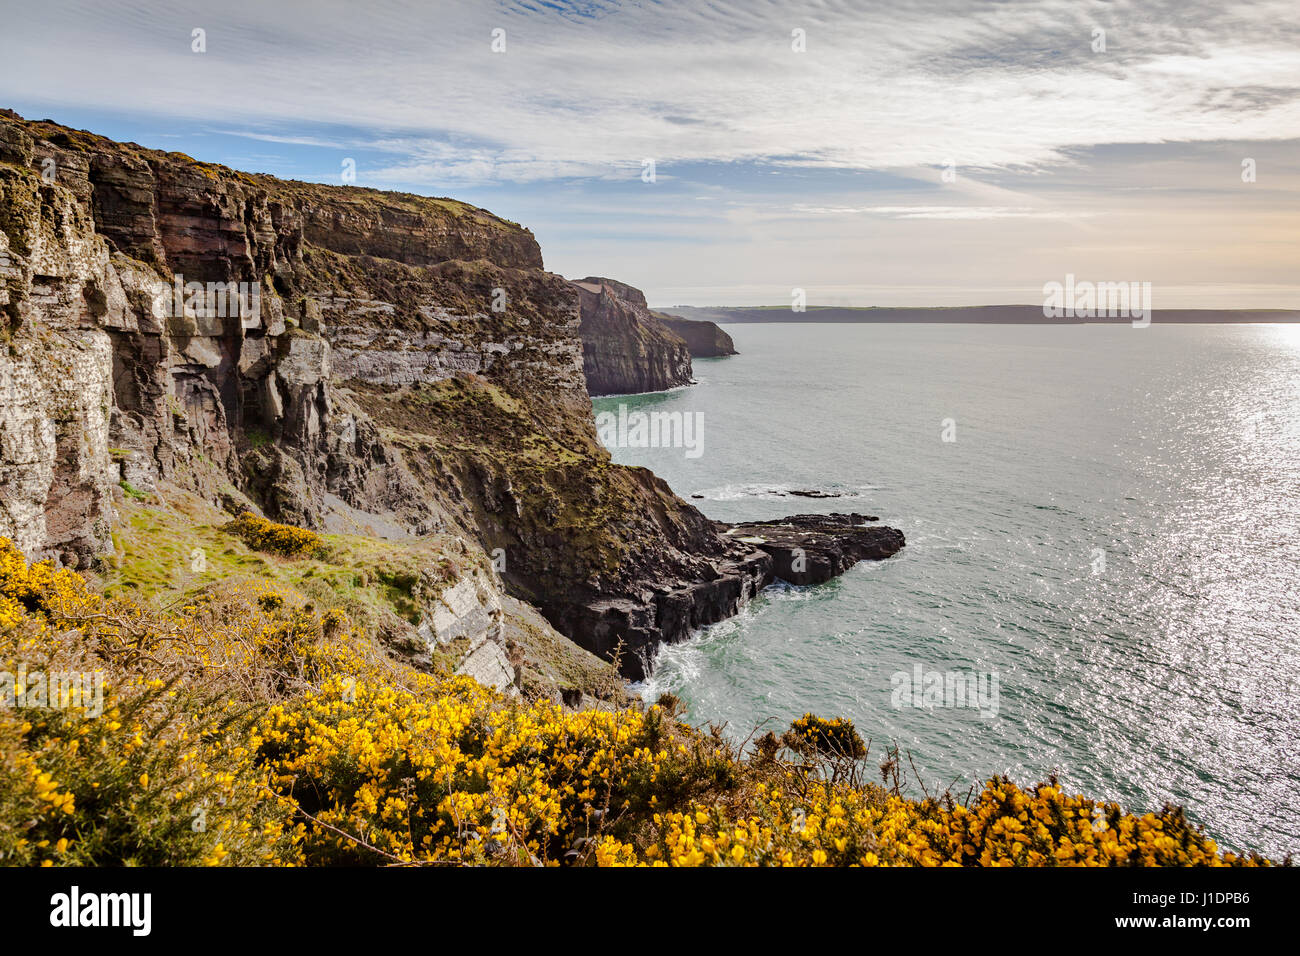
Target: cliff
x=702 y=337
x=625 y=348
x=336 y=358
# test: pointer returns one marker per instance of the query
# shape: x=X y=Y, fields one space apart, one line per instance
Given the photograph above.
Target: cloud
x=939 y=212
x=587 y=88
x=822 y=169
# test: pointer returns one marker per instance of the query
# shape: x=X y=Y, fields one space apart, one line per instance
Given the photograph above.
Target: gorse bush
x=283 y=539
x=829 y=825
x=450 y=774
x=243 y=728
x=829 y=737
x=157 y=771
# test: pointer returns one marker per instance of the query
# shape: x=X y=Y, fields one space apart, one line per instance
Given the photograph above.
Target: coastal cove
x=1111 y=534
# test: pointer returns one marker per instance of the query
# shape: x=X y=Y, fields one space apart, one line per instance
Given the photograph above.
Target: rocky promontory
x=625 y=348
x=800 y=550
x=812 y=549
x=704 y=338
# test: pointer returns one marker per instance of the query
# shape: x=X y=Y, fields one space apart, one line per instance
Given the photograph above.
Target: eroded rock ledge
x=800 y=549
x=812 y=549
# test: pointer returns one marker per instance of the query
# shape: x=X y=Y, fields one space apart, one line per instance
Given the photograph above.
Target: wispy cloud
x=585 y=87
x=1084 y=136
x=940 y=212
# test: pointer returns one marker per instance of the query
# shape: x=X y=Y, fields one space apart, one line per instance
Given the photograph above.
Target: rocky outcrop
x=337 y=358
x=812 y=549
x=467 y=618
x=625 y=349
x=703 y=338
x=628 y=628
x=174 y=320
x=801 y=550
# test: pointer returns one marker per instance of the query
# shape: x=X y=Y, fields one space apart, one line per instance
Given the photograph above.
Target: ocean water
x=1113 y=535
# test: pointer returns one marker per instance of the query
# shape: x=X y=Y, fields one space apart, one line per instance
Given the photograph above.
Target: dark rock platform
x=812 y=549
x=799 y=549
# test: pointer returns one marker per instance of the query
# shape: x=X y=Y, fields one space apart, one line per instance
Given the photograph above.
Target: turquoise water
x=1114 y=535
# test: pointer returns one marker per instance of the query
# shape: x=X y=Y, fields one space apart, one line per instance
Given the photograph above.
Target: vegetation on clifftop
x=245 y=727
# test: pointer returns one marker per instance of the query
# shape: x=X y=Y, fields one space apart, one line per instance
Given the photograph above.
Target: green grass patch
x=132 y=491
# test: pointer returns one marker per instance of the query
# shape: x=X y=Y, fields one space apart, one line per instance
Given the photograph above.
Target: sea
x=1101 y=581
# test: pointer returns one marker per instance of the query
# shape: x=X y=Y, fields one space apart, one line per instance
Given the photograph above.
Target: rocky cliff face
x=703 y=338
x=173 y=320
x=336 y=358
x=60 y=298
x=625 y=348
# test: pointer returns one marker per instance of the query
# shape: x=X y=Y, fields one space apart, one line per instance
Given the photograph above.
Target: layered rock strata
x=625 y=348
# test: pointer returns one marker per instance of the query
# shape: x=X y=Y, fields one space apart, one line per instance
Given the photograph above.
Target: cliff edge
x=704 y=338
x=625 y=348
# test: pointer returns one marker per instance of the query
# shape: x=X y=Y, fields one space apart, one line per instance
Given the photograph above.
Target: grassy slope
x=158 y=537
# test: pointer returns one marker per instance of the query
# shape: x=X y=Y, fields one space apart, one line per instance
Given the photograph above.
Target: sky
x=927 y=153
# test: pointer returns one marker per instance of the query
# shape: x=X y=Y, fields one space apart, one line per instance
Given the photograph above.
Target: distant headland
x=989 y=314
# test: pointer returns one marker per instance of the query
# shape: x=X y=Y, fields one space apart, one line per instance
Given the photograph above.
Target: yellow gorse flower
x=252 y=731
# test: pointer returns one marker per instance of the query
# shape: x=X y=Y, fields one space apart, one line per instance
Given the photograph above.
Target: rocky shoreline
x=800 y=549
x=812 y=549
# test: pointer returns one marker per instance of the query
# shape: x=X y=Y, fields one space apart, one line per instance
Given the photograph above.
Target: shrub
x=450 y=773
x=132 y=491
x=156 y=771
x=827 y=737
x=283 y=539
x=832 y=825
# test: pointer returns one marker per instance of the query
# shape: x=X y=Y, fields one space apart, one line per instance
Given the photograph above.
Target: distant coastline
x=990 y=314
